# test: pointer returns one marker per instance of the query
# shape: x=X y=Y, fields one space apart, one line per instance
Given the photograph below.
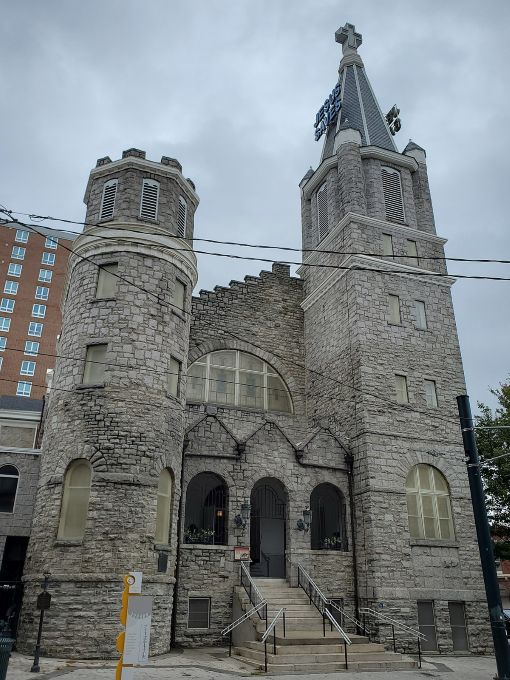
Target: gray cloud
x=231 y=89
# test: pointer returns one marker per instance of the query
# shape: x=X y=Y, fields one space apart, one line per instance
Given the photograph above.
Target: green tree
x=496 y=471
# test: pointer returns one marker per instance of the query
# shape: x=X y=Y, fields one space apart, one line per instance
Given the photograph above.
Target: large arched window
x=9 y=477
x=164 y=507
x=238 y=379
x=328 y=531
x=428 y=503
x=206 y=510
x=75 y=501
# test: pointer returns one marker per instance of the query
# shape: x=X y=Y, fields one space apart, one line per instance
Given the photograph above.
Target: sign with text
x=328 y=112
x=138 y=630
x=242 y=553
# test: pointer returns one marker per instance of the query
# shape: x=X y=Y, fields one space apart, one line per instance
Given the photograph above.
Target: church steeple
x=360 y=109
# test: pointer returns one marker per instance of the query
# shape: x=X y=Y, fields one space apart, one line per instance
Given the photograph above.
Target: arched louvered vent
x=393 y=199
x=149 y=204
x=322 y=211
x=108 y=200
x=181 y=217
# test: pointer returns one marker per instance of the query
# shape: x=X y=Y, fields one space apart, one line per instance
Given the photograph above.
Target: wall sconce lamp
x=303 y=524
x=241 y=520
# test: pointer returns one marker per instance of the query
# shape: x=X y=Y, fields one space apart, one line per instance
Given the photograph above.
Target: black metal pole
x=419 y=652
x=501 y=646
x=35 y=666
x=393 y=633
x=230 y=644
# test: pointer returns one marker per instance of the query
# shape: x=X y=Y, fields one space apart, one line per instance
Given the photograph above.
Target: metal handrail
x=314 y=587
x=272 y=627
x=242 y=618
x=252 y=591
x=250 y=580
x=396 y=624
x=393 y=622
x=354 y=620
x=334 y=624
x=228 y=630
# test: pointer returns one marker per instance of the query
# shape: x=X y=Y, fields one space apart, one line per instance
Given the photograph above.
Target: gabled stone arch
x=208 y=439
x=217 y=344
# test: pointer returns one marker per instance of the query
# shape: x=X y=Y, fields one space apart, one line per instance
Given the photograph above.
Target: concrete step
x=328 y=667
x=321 y=657
x=336 y=648
x=315 y=637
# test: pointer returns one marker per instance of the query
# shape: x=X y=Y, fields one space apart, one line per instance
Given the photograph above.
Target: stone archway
x=268 y=528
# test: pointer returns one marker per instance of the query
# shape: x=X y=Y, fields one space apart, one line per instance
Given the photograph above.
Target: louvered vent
x=322 y=211
x=181 y=217
x=392 y=187
x=108 y=201
x=149 y=204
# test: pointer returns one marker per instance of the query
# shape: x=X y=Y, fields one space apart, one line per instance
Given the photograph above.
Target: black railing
x=11 y=595
x=382 y=619
x=272 y=627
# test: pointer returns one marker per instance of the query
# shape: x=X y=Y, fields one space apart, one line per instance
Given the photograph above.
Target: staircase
x=304 y=646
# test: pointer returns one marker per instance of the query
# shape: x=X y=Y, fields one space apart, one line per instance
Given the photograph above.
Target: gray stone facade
x=330 y=337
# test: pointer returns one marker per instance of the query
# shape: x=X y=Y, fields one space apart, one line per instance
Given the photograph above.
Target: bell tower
x=109 y=489
x=383 y=356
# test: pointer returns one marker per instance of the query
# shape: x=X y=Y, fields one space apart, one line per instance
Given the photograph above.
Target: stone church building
x=310 y=420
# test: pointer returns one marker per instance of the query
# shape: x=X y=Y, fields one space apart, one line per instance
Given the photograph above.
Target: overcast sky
x=231 y=88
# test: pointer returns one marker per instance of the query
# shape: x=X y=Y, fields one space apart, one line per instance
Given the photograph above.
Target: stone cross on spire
x=349 y=39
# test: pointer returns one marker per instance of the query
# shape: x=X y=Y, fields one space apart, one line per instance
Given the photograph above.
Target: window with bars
x=322 y=211
x=199 y=611
x=181 y=217
x=205 y=517
x=401 y=389
x=393 y=198
x=108 y=200
x=428 y=504
x=149 y=202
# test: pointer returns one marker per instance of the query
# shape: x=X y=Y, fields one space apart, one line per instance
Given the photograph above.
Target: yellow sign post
x=135 y=616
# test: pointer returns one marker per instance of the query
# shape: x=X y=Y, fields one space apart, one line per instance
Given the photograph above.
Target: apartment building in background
x=32 y=272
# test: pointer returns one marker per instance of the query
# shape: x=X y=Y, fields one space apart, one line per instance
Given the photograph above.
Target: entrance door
x=267 y=535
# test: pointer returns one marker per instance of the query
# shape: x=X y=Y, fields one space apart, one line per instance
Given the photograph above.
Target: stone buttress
x=129 y=427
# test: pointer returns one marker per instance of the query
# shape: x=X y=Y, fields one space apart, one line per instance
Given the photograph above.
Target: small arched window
x=328 y=531
x=9 y=478
x=149 y=202
x=75 y=501
x=108 y=200
x=393 y=197
x=236 y=378
x=205 y=518
x=164 y=507
x=428 y=503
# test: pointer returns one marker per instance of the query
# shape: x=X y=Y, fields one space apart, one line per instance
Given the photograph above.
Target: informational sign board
x=242 y=553
x=138 y=631
x=43 y=601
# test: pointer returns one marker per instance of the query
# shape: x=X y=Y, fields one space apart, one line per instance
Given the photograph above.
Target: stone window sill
x=433 y=543
x=105 y=299
x=392 y=323
x=206 y=546
x=162 y=547
x=176 y=312
x=85 y=386
x=68 y=542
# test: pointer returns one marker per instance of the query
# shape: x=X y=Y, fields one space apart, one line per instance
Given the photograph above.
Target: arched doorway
x=267 y=532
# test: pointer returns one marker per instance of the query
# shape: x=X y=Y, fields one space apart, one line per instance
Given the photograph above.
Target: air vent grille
x=181 y=217
x=149 y=204
x=392 y=187
x=108 y=200
x=322 y=211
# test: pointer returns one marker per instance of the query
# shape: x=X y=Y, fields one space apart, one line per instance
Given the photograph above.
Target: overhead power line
x=267 y=246
x=160 y=300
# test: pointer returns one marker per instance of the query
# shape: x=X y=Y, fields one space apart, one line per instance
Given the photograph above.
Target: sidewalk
x=214 y=664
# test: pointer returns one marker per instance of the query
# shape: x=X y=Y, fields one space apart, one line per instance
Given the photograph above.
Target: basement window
x=199 y=612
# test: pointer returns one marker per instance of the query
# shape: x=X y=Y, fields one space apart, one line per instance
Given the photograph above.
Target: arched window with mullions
x=233 y=378
x=205 y=519
x=75 y=500
x=164 y=507
x=428 y=503
x=9 y=478
x=328 y=530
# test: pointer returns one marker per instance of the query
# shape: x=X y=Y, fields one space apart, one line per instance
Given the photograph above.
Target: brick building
x=32 y=271
x=310 y=420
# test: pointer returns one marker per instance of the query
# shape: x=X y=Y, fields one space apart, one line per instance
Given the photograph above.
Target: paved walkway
x=214 y=664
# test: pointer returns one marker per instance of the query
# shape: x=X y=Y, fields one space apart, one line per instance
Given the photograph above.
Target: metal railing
x=228 y=630
x=359 y=625
x=252 y=591
x=334 y=624
x=272 y=627
x=386 y=620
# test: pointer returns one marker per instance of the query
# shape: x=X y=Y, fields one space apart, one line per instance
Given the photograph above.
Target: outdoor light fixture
x=303 y=524
x=241 y=519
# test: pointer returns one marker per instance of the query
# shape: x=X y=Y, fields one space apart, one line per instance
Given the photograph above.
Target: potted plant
x=194 y=535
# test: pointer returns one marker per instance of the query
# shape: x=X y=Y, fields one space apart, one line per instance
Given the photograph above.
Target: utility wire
x=162 y=301
x=261 y=245
x=355 y=267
